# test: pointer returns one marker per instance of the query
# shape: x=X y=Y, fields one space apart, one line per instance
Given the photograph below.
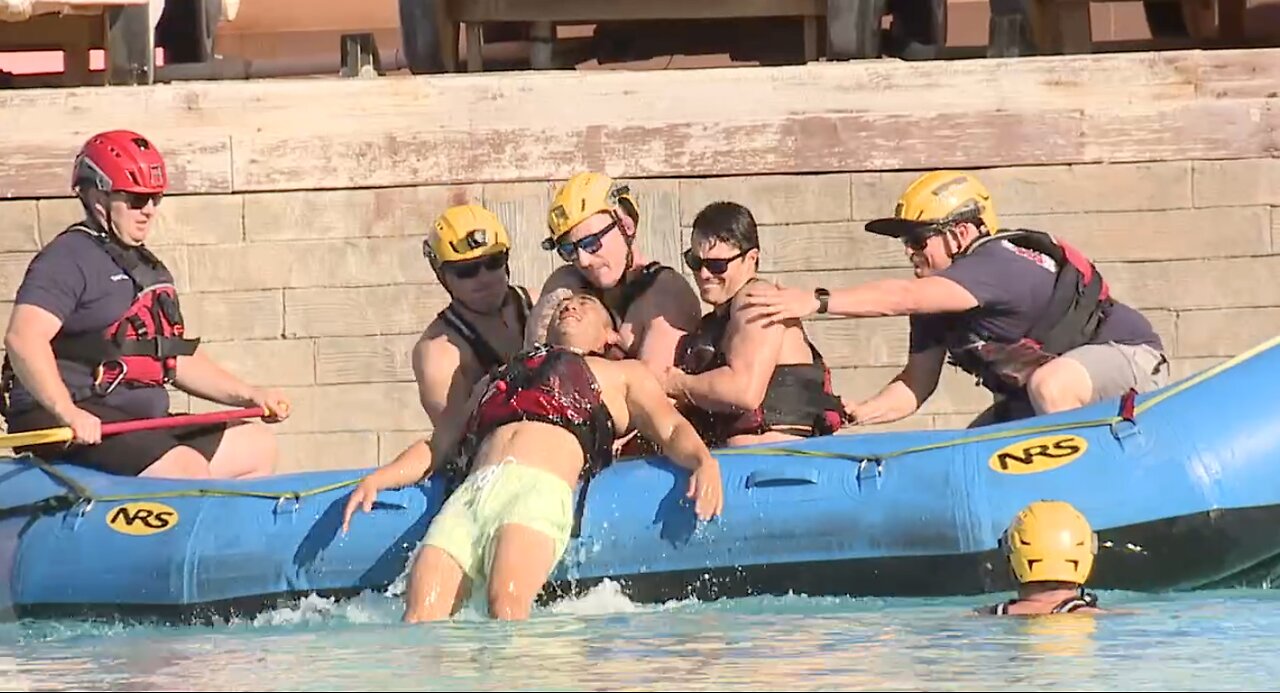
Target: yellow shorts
x=507 y=493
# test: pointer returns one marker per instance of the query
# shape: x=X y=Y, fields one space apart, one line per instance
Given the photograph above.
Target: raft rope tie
x=1128 y=413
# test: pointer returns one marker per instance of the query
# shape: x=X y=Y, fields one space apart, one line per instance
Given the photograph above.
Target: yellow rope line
x=83 y=493
x=1019 y=432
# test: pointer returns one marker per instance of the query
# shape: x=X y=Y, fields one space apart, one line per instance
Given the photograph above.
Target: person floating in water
x=1050 y=547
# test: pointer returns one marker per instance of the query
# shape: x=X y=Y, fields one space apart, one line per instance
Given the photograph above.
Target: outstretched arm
x=905 y=393
x=928 y=295
x=201 y=376
x=411 y=465
x=656 y=418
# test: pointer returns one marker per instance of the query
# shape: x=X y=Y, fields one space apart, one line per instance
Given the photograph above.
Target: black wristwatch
x=823 y=296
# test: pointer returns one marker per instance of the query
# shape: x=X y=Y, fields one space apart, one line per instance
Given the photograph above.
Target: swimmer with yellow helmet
x=592 y=225
x=1029 y=316
x=1050 y=548
x=483 y=325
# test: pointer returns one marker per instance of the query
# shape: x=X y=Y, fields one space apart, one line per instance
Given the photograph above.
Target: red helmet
x=120 y=161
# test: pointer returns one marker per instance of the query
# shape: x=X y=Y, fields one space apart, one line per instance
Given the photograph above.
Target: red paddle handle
x=180 y=420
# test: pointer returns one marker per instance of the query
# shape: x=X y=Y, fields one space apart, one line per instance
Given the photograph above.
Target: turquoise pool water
x=1215 y=640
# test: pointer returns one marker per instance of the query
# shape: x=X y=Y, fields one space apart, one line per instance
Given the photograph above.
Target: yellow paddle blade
x=46 y=435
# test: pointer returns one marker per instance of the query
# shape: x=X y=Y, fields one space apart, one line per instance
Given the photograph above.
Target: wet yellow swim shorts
x=507 y=493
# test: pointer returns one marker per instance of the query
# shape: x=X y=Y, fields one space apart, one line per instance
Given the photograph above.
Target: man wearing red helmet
x=97 y=332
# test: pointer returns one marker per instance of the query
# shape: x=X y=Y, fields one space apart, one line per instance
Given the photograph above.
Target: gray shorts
x=1115 y=368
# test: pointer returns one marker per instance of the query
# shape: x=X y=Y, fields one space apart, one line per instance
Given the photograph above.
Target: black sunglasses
x=591 y=245
x=469 y=269
x=137 y=200
x=714 y=265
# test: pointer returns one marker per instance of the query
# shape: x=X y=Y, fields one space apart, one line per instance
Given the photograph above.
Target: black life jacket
x=799 y=399
x=1066 y=606
x=485 y=354
x=549 y=384
x=142 y=347
x=631 y=291
x=1077 y=307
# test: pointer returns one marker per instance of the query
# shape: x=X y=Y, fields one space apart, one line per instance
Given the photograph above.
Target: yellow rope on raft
x=1018 y=432
x=85 y=494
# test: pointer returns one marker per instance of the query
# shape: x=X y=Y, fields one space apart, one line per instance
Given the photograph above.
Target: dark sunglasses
x=137 y=200
x=714 y=265
x=917 y=241
x=591 y=245
x=469 y=269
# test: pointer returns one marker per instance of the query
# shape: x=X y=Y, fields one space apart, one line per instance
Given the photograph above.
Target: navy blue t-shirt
x=1013 y=285
x=73 y=278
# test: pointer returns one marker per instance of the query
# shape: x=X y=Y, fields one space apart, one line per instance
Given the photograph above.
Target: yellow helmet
x=1050 y=541
x=465 y=232
x=936 y=198
x=583 y=195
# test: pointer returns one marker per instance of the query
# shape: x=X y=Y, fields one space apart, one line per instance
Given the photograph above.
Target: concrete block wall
x=323 y=293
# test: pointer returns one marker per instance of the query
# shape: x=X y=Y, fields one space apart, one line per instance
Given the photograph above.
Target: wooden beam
x=41 y=167
x=863 y=116
x=610 y=96
x=130 y=46
x=624 y=10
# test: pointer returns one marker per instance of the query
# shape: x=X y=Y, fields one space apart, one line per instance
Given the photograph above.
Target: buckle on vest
x=115 y=380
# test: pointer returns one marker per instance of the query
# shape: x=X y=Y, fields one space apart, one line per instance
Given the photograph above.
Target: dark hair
x=727 y=222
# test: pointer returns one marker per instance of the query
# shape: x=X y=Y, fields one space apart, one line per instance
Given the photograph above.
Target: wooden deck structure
x=124 y=28
x=290 y=134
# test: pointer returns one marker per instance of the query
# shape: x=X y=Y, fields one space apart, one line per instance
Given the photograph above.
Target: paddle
x=63 y=433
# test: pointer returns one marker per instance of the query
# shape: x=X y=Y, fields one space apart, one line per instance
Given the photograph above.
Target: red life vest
x=140 y=349
x=1076 y=309
x=549 y=384
x=798 y=400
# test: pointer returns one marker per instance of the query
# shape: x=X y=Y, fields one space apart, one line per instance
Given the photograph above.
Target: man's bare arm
x=413 y=464
x=752 y=349
x=28 y=340
x=664 y=314
x=905 y=393
x=657 y=419
x=438 y=368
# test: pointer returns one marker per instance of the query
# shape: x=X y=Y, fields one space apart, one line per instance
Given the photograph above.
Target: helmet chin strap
x=107 y=230
x=958 y=250
x=631 y=255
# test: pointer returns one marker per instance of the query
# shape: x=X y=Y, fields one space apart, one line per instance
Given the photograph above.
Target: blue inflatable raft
x=1183 y=488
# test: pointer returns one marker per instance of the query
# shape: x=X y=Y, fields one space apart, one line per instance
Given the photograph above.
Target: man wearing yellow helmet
x=1025 y=313
x=1050 y=548
x=538 y=427
x=592 y=226
x=484 y=323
